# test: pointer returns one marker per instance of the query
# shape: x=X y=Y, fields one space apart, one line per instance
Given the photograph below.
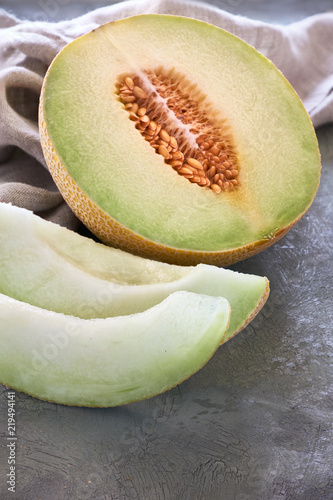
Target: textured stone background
x=254 y=424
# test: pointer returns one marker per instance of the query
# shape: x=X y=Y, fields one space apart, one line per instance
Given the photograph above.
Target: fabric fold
x=303 y=51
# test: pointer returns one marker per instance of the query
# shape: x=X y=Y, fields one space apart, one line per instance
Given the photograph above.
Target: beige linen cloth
x=303 y=51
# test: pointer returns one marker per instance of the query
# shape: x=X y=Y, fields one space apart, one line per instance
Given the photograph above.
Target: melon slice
x=113 y=361
x=175 y=140
x=50 y=267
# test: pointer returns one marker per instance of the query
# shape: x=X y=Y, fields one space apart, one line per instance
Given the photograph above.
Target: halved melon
x=108 y=362
x=50 y=267
x=175 y=140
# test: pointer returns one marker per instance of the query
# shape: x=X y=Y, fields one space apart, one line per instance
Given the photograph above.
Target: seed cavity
x=178 y=122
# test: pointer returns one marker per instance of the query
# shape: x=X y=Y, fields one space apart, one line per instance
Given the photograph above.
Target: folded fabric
x=303 y=51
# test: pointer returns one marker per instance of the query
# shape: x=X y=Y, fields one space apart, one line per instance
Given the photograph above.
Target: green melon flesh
x=48 y=266
x=108 y=362
x=108 y=159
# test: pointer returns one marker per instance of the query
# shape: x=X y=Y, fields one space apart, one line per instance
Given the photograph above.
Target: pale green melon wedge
x=51 y=267
x=113 y=361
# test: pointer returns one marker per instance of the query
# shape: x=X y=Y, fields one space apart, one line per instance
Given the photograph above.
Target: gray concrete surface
x=254 y=424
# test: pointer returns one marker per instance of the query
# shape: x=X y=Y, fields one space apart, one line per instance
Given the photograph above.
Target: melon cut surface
x=50 y=267
x=113 y=361
x=125 y=192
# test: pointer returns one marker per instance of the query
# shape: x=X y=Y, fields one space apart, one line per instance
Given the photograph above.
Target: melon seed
x=216 y=188
x=162 y=150
x=173 y=142
x=177 y=155
x=141 y=111
x=128 y=98
x=185 y=170
x=212 y=162
x=129 y=82
x=139 y=92
x=194 y=163
x=164 y=135
x=214 y=150
x=134 y=107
